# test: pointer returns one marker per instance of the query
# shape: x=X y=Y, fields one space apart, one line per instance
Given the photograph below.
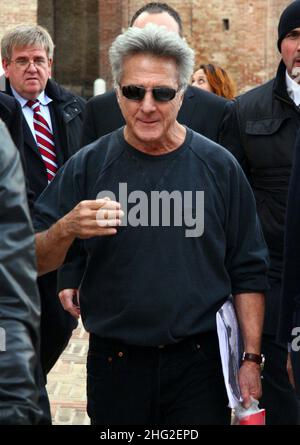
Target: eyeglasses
x=161 y=94
x=23 y=63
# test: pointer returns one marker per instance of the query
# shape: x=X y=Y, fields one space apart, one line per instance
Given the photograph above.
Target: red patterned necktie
x=44 y=139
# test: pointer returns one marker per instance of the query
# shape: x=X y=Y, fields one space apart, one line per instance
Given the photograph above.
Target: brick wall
x=74 y=27
x=16 y=12
x=247 y=49
x=84 y=29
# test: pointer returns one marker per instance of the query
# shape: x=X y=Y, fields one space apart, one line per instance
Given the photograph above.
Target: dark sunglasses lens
x=163 y=94
x=133 y=92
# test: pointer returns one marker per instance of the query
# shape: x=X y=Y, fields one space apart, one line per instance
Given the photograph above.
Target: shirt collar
x=43 y=98
x=293 y=89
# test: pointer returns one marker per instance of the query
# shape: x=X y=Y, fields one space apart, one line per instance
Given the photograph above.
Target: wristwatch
x=256 y=358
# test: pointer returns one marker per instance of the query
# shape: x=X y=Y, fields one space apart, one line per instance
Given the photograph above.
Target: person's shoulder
x=204 y=97
x=104 y=147
x=210 y=152
x=9 y=109
x=60 y=94
x=7 y=101
x=107 y=100
x=8 y=150
x=257 y=92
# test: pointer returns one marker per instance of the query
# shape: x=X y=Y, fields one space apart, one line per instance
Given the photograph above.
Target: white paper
x=230 y=344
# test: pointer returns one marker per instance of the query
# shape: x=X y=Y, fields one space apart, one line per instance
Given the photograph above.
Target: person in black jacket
x=260 y=130
x=289 y=330
x=19 y=299
x=51 y=135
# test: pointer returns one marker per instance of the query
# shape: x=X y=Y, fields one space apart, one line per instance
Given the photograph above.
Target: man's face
x=160 y=19
x=290 y=50
x=28 y=79
x=148 y=121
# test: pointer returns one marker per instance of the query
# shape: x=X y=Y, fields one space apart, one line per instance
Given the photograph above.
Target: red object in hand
x=258 y=418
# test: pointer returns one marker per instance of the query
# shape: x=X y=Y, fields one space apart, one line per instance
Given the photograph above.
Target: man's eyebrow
x=294 y=32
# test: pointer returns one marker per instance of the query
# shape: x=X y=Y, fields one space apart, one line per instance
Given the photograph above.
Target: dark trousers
x=173 y=385
x=43 y=399
x=56 y=324
x=279 y=397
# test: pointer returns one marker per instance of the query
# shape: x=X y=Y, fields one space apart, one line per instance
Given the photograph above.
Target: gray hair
x=26 y=35
x=154 y=40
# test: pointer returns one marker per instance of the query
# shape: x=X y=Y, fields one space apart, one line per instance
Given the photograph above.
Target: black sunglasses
x=161 y=94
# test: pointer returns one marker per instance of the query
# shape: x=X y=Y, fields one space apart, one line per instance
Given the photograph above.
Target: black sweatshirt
x=149 y=284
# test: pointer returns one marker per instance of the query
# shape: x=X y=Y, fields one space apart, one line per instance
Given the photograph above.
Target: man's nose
x=148 y=103
x=31 y=66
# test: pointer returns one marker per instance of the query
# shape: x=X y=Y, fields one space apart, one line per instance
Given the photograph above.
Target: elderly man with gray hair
x=168 y=225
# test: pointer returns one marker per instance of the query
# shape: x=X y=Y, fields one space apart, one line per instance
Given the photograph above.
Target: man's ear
x=182 y=97
x=5 y=64
x=118 y=93
x=50 y=62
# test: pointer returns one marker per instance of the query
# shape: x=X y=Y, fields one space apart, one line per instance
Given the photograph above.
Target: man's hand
x=250 y=382
x=100 y=217
x=290 y=371
x=69 y=299
x=93 y=218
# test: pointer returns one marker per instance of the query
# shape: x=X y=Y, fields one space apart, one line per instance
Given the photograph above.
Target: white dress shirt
x=293 y=89
x=28 y=112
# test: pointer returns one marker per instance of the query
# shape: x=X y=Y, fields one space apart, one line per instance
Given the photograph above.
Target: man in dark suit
x=201 y=111
x=52 y=121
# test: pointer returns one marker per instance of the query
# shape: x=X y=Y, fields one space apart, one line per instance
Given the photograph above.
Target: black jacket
x=291 y=270
x=260 y=130
x=19 y=300
x=201 y=111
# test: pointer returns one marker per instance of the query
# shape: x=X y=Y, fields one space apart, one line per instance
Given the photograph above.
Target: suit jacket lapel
x=29 y=140
x=57 y=134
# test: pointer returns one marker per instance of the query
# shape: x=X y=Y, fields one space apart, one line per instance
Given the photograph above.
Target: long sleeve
x=247 y=258
x=19 y=300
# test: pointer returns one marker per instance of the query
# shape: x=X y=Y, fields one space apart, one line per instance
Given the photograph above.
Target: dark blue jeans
x=173 y=385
